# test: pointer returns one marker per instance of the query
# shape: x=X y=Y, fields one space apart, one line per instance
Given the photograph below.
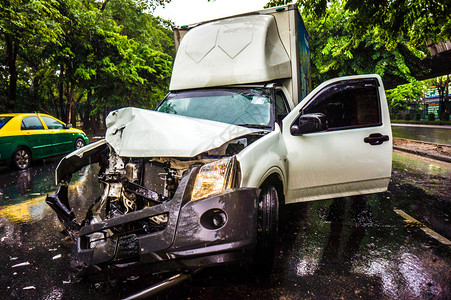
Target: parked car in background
x=29 y=136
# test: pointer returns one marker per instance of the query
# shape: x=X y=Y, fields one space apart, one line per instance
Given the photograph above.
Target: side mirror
x=309 y=123
x=67 y=126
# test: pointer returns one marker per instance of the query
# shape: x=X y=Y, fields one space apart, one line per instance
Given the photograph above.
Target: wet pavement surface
x=348 y=248
x=432 y=134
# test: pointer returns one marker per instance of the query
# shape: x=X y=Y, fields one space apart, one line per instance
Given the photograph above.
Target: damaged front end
x=163 y=213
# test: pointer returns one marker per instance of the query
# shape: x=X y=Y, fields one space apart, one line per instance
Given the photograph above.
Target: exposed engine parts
x=141 y=201
x=136 y=184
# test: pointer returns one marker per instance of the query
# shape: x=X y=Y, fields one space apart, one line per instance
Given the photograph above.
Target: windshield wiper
x=259 y=126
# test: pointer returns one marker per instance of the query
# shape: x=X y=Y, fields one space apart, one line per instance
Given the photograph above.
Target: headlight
x=213 y=178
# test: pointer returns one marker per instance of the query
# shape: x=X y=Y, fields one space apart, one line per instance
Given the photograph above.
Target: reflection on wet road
x=22 y=193
x=350 y=248
x=426 y=134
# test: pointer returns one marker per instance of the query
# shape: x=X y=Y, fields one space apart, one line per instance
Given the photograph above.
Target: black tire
x=21 y=158
x=79 y=143
x=267 y=230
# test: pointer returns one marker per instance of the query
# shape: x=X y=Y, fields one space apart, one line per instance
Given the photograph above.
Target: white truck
x=201 y=180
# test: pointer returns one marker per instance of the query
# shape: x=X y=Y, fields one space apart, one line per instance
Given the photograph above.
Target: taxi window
x=52 y=123
x=31 y=123
x=4 y=120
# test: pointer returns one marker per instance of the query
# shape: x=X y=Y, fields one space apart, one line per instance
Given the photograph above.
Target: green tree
x=405 y=95
x=83 y=56
x=26 y=27
x=391 y=21
x=335 y=51
x=134 y=67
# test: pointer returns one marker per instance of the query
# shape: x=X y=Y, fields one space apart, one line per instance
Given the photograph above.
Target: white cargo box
x=258 y=47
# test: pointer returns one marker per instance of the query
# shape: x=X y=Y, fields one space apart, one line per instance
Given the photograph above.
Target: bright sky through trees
x=183 y=12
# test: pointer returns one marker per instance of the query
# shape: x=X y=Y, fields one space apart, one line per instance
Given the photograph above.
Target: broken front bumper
x=218 y=229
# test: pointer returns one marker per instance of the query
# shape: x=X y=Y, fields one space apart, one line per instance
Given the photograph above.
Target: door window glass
x=348 y=105
x=281 y=106
x=4 y=120
x=52 y=123
x=31 y=123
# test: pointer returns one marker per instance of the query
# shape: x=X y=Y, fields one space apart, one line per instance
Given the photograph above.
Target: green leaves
x=99 y=53
x=342 y=44
x=393 y=21
x=400 y=97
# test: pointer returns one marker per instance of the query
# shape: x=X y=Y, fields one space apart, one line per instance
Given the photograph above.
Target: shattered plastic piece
x=56 y=256
x=35 y=194
x=29 y=288
x=13 y=258
x=54 y=249
x=15 y=273
x=131 y=278
x=21 y=264
x=66 y=282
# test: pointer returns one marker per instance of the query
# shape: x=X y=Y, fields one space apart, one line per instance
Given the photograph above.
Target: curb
x=422 y=142
x=424 y=153
x=422 y=125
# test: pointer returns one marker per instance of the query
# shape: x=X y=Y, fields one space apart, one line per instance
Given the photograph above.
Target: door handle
x=376 y=139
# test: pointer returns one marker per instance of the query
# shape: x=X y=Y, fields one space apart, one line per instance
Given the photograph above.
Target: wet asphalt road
x=344 y=248
x=426 y=133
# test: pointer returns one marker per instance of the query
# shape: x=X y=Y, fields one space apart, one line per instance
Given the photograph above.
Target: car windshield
x=249 y=107
x=4 y=120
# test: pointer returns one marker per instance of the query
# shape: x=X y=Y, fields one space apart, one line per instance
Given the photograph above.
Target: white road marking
x=428 y=231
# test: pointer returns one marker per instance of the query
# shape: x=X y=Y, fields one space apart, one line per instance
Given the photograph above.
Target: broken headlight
x=213 y=178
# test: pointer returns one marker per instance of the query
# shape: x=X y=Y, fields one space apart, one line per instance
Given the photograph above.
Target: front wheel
x=22 y=158
x=79 y=143
x=267 y=226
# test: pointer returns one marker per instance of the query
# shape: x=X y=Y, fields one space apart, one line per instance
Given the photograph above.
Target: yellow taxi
x=29 y=136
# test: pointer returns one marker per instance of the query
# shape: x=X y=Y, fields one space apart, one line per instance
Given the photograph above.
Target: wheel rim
x=22 y=158
x=79 y=144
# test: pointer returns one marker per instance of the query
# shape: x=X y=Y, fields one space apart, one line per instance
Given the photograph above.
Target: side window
x=52 y=123
x=31 y=123
x=281 y=106
x=348 y=105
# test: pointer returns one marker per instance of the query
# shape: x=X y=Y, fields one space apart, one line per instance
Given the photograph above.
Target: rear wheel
x=267 y=226
x=79 y=143
x=22 y=158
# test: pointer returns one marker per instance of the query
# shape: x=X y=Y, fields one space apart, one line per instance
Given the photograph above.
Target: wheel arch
x=22 y=146
x=275 y=179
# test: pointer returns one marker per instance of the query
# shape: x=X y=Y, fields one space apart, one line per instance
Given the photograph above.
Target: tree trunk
x=86 y=114
x=11 y=56
x=60 y=89
x=70 y=102
x=447 y=94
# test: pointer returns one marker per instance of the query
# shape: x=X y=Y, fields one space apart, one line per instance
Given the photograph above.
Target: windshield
x=4 y=120
x=249 y=107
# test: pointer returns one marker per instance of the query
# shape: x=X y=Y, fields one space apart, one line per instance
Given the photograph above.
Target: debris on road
x=21 y=264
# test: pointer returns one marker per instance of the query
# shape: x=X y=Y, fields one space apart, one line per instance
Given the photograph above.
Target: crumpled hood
x=135 y=132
